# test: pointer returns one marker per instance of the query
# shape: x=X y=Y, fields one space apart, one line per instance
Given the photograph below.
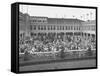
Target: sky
x=59 y=12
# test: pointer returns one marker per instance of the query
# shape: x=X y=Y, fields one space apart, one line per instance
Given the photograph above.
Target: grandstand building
x=34 y=25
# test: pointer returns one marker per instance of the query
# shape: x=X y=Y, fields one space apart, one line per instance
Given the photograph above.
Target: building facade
x=34 y=25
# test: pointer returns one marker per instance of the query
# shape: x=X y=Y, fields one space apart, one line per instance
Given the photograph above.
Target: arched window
x=54 y=27
x=51 y=27
x=34 y=27
x=38 y=27
x=57 y=27
x=60 y=28
x=66 y=27
x=63 y=27
x=71 y=27
x=41 y=27
x=48 y=28
x=74 y=27
x=44 y=27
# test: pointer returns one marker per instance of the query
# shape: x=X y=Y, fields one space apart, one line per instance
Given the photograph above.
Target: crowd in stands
x=55 y=43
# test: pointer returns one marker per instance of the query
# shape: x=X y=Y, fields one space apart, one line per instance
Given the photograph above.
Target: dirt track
x=60 y=65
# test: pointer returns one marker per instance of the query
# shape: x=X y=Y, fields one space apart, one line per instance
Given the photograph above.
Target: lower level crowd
x=51 y=42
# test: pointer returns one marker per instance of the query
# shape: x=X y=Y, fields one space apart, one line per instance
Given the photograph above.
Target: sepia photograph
x=56 y=37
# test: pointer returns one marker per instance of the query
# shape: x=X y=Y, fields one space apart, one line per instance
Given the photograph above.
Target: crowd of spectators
x=55 y=43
